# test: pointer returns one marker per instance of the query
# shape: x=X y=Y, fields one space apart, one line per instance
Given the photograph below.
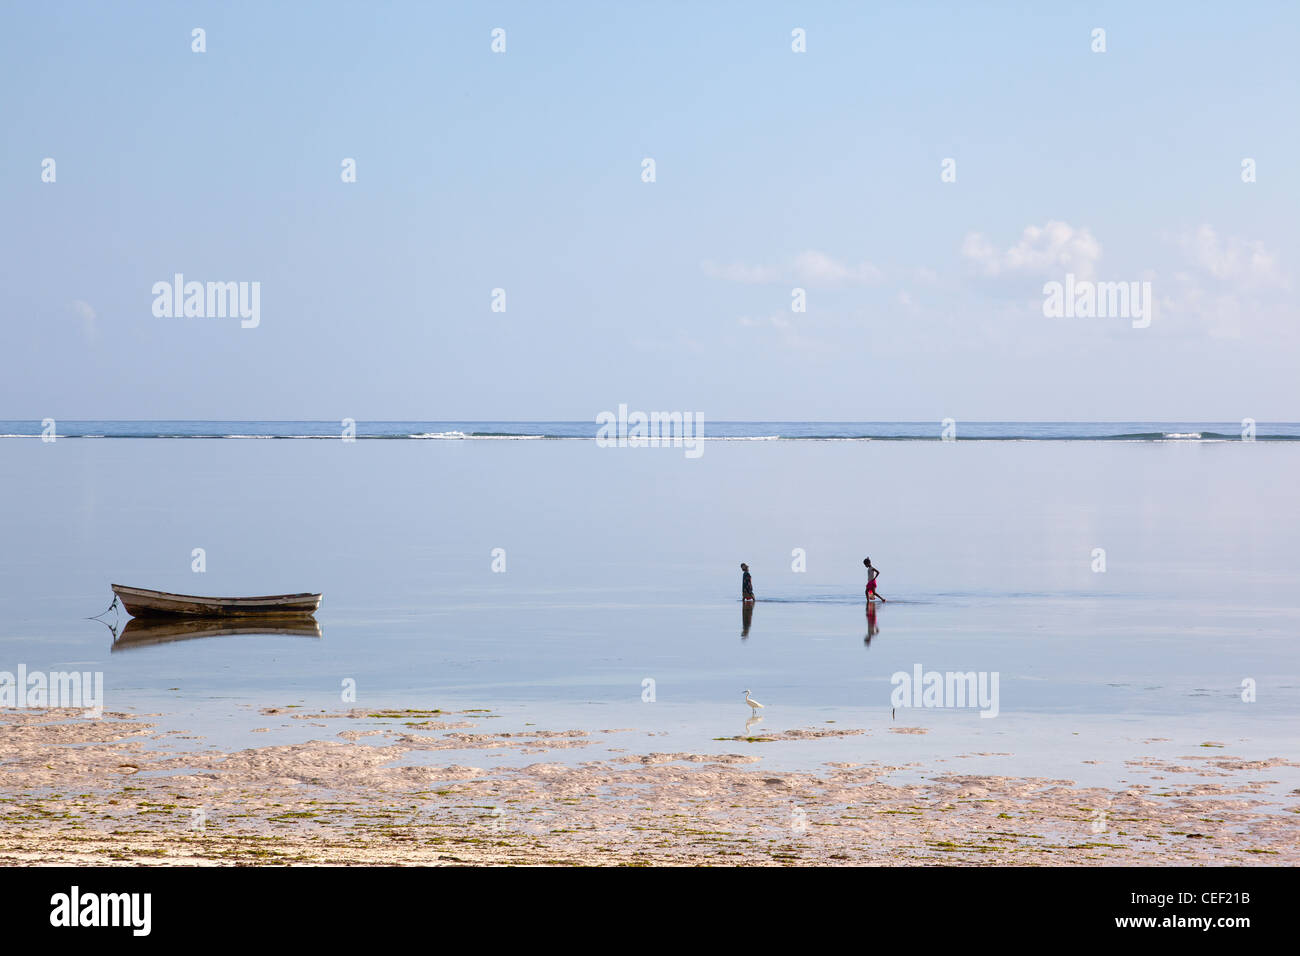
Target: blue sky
x=775 y=170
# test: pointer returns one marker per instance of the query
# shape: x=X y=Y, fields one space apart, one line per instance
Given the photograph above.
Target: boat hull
x=142 y=602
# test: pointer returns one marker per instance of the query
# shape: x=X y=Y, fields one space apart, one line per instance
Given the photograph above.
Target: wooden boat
x=142 y=602
x=159 y=629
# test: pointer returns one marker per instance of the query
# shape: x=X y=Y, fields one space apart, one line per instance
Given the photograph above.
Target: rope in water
x=105 y=611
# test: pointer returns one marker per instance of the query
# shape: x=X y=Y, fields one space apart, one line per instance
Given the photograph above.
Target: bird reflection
x=872 y=628
x=751 y=723
x=746 y=617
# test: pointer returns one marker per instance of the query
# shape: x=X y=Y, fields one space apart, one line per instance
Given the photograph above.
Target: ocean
x=718 y=431
x=1132 y=585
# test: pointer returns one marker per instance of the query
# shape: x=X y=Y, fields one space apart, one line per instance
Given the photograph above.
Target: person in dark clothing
x=746 y=584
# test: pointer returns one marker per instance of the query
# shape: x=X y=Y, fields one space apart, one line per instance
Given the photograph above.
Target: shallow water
x=622 y=567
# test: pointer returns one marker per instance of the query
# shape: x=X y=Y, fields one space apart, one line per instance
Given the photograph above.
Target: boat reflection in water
x=145 y=631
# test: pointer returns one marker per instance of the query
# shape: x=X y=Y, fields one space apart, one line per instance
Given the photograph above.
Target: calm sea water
x=621 y=566
x=789 y=431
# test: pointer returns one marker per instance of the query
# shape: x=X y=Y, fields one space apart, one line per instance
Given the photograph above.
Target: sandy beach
x=118 y=790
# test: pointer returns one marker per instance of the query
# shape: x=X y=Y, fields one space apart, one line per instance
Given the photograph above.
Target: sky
x=774 y=170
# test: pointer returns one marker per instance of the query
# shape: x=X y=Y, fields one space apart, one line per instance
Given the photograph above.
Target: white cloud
x=1051 y=249
x=1231 y=288
x=783 y=329
x=1233 y=260
x=776 y=320
x=811 y=267
x=816 y=267
x=86 y=313
x=738 y=272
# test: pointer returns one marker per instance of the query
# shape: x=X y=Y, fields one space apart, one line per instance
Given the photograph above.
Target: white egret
x=751 y=702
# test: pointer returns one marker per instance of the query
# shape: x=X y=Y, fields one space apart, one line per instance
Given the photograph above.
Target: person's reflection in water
x=746 y=617
x=872 y=628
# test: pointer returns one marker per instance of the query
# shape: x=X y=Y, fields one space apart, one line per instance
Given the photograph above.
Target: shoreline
x=85 y=792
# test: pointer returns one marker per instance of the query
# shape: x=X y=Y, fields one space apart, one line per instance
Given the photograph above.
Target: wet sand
x=118 y=790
